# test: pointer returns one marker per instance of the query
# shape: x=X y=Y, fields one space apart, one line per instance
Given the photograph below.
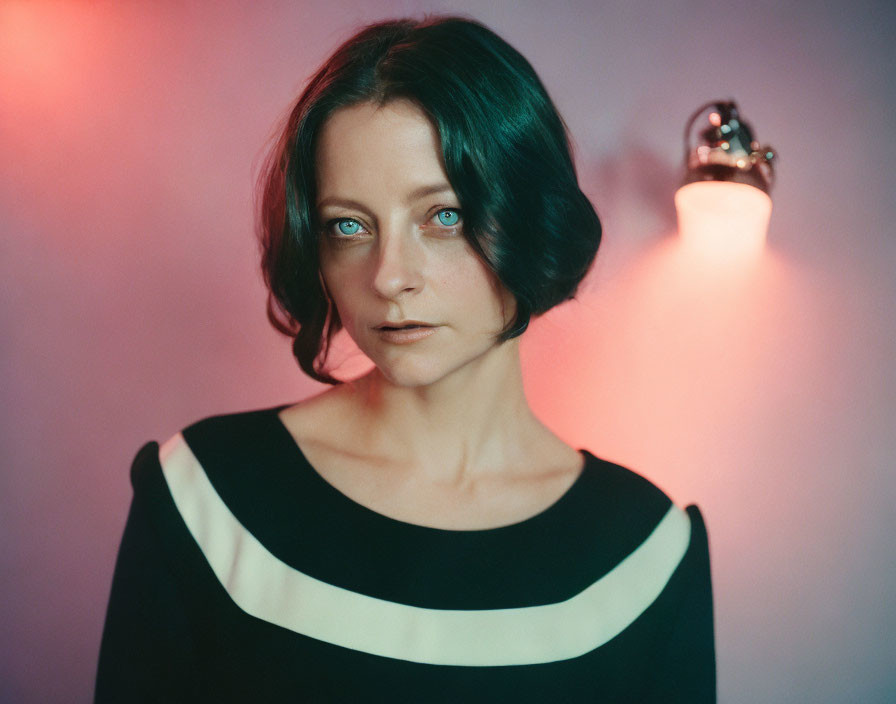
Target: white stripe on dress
x=267 y=588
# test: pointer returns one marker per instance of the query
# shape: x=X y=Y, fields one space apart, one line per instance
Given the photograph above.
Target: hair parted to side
x=506 y=154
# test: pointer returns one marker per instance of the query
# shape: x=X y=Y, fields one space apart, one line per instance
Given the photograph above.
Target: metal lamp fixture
x=724 y=202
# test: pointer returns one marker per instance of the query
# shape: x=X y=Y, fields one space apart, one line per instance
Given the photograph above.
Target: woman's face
x=408 y=287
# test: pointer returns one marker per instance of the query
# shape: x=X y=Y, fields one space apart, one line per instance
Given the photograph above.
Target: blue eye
x=348 y=227
x=448 y=217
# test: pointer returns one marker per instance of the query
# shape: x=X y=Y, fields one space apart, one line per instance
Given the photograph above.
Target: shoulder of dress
x=621 y=478
x=214 y=436
x=636 y=507
x=229 y=425
x=146 y=465
x=230 y=439
x=158 y=469
x=699 y=534
x=627 y=491
x=154 y=462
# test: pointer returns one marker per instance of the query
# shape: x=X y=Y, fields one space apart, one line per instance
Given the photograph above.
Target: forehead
x=375 y=149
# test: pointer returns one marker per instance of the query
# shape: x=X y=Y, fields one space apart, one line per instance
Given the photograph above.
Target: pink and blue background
x=765 y=392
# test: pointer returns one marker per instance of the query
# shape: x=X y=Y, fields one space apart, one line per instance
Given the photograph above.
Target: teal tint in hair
x=506 y=154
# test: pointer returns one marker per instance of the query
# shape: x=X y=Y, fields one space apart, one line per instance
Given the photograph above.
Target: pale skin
x=439 y=433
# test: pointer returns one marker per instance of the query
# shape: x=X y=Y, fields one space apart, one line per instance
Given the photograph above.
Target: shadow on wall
x=633 y=190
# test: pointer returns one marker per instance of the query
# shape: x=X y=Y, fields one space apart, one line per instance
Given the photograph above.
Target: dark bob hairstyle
x=506 y=154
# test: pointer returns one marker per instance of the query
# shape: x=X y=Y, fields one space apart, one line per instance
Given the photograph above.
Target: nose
x=398 y=266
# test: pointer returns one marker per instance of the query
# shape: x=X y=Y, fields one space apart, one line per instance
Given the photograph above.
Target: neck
x=470 y=422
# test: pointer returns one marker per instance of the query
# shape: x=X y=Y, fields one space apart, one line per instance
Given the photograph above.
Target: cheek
x=459 y=266
x=343 y=302
x=472 y=282
x=338 y=289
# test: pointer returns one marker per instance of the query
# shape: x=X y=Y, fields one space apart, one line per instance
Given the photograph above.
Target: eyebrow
x=413 y=196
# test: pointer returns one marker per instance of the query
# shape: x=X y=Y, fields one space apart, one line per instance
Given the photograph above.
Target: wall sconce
x=723 y=204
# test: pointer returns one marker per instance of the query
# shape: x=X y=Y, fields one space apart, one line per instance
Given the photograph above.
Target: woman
x=415 y=534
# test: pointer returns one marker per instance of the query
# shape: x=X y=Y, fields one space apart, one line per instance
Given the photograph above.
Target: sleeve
x=685 y=670
x=146 y=653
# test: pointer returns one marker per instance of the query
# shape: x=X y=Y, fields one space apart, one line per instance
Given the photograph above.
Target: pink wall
x=129 y=135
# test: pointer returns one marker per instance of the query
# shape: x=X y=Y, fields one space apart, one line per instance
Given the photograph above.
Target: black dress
x=244 y=576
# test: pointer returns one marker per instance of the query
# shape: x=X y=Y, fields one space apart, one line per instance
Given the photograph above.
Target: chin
x=427 y=364
x=410 y=376
x=427 y=370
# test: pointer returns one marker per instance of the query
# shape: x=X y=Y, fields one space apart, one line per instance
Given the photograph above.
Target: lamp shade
x=723 y=204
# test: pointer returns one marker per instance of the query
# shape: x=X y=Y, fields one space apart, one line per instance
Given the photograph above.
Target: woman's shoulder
x=213 y=441
x=629 y=503
x=231 y=427
x=218 y=472
x=616 y=485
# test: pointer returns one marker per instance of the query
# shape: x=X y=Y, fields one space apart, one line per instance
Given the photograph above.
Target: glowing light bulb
x=723 y=219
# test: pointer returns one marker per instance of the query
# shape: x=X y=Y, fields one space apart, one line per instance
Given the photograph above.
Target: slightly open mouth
x=403 y=327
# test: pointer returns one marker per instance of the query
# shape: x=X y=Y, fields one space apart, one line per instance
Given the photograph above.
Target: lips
x=405 y=332
x=403 y=325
